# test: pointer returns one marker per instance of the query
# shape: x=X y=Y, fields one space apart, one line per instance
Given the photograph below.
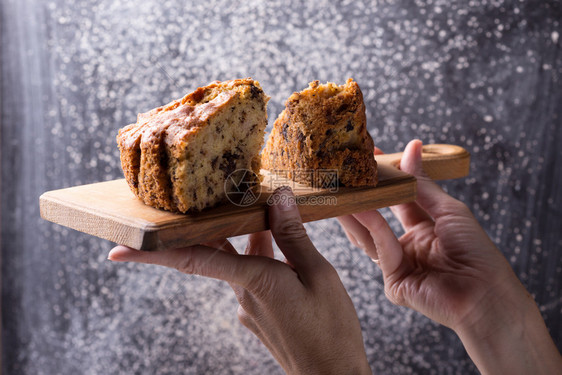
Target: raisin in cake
x=178 y=156
x=323 y=129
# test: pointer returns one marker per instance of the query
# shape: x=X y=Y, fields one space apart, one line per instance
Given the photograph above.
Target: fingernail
x=286 y=199
x=419 y=151
x=111 y=257
x=119 y=254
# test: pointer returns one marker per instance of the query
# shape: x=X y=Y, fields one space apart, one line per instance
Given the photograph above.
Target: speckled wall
x=482 y=74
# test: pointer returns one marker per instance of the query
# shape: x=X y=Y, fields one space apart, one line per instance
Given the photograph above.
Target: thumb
x=289 y=233
x=411 y=161
x=430 y=196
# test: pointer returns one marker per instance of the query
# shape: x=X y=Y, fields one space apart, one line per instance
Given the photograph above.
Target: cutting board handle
x=439 y=161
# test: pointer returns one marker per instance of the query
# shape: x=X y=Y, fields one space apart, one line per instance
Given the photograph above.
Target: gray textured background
x=482 y=74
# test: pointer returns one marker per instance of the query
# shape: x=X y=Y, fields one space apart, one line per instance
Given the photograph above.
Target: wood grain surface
x=110 y=210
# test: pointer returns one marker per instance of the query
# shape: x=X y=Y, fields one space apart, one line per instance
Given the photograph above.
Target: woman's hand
x=444 y=264
x=447 y=268
x=298 y=308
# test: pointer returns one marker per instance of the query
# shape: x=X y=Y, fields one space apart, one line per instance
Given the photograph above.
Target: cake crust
x=323 y=128
x=177 y=156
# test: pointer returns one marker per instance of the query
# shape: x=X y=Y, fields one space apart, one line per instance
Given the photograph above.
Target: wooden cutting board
x=109 y=209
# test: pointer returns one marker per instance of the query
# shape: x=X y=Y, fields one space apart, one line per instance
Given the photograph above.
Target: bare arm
x=299 y=308
x=447 y=268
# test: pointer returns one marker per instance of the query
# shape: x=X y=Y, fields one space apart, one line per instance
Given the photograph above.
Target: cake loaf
x=177 y=157
x=320 y=134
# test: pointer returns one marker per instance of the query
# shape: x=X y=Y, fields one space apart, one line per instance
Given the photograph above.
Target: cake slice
x=321 y=138
x=178 y=157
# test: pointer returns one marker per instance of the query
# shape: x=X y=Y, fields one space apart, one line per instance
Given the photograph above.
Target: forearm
x=513 y=340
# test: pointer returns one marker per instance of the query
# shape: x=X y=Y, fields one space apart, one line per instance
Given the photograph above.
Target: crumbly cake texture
x=323 y=129
x=177 y=157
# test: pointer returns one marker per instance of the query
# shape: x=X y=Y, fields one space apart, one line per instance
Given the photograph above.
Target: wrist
x=500 y=312
x=355 y=369
x=507 y=334
x=355 y=364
